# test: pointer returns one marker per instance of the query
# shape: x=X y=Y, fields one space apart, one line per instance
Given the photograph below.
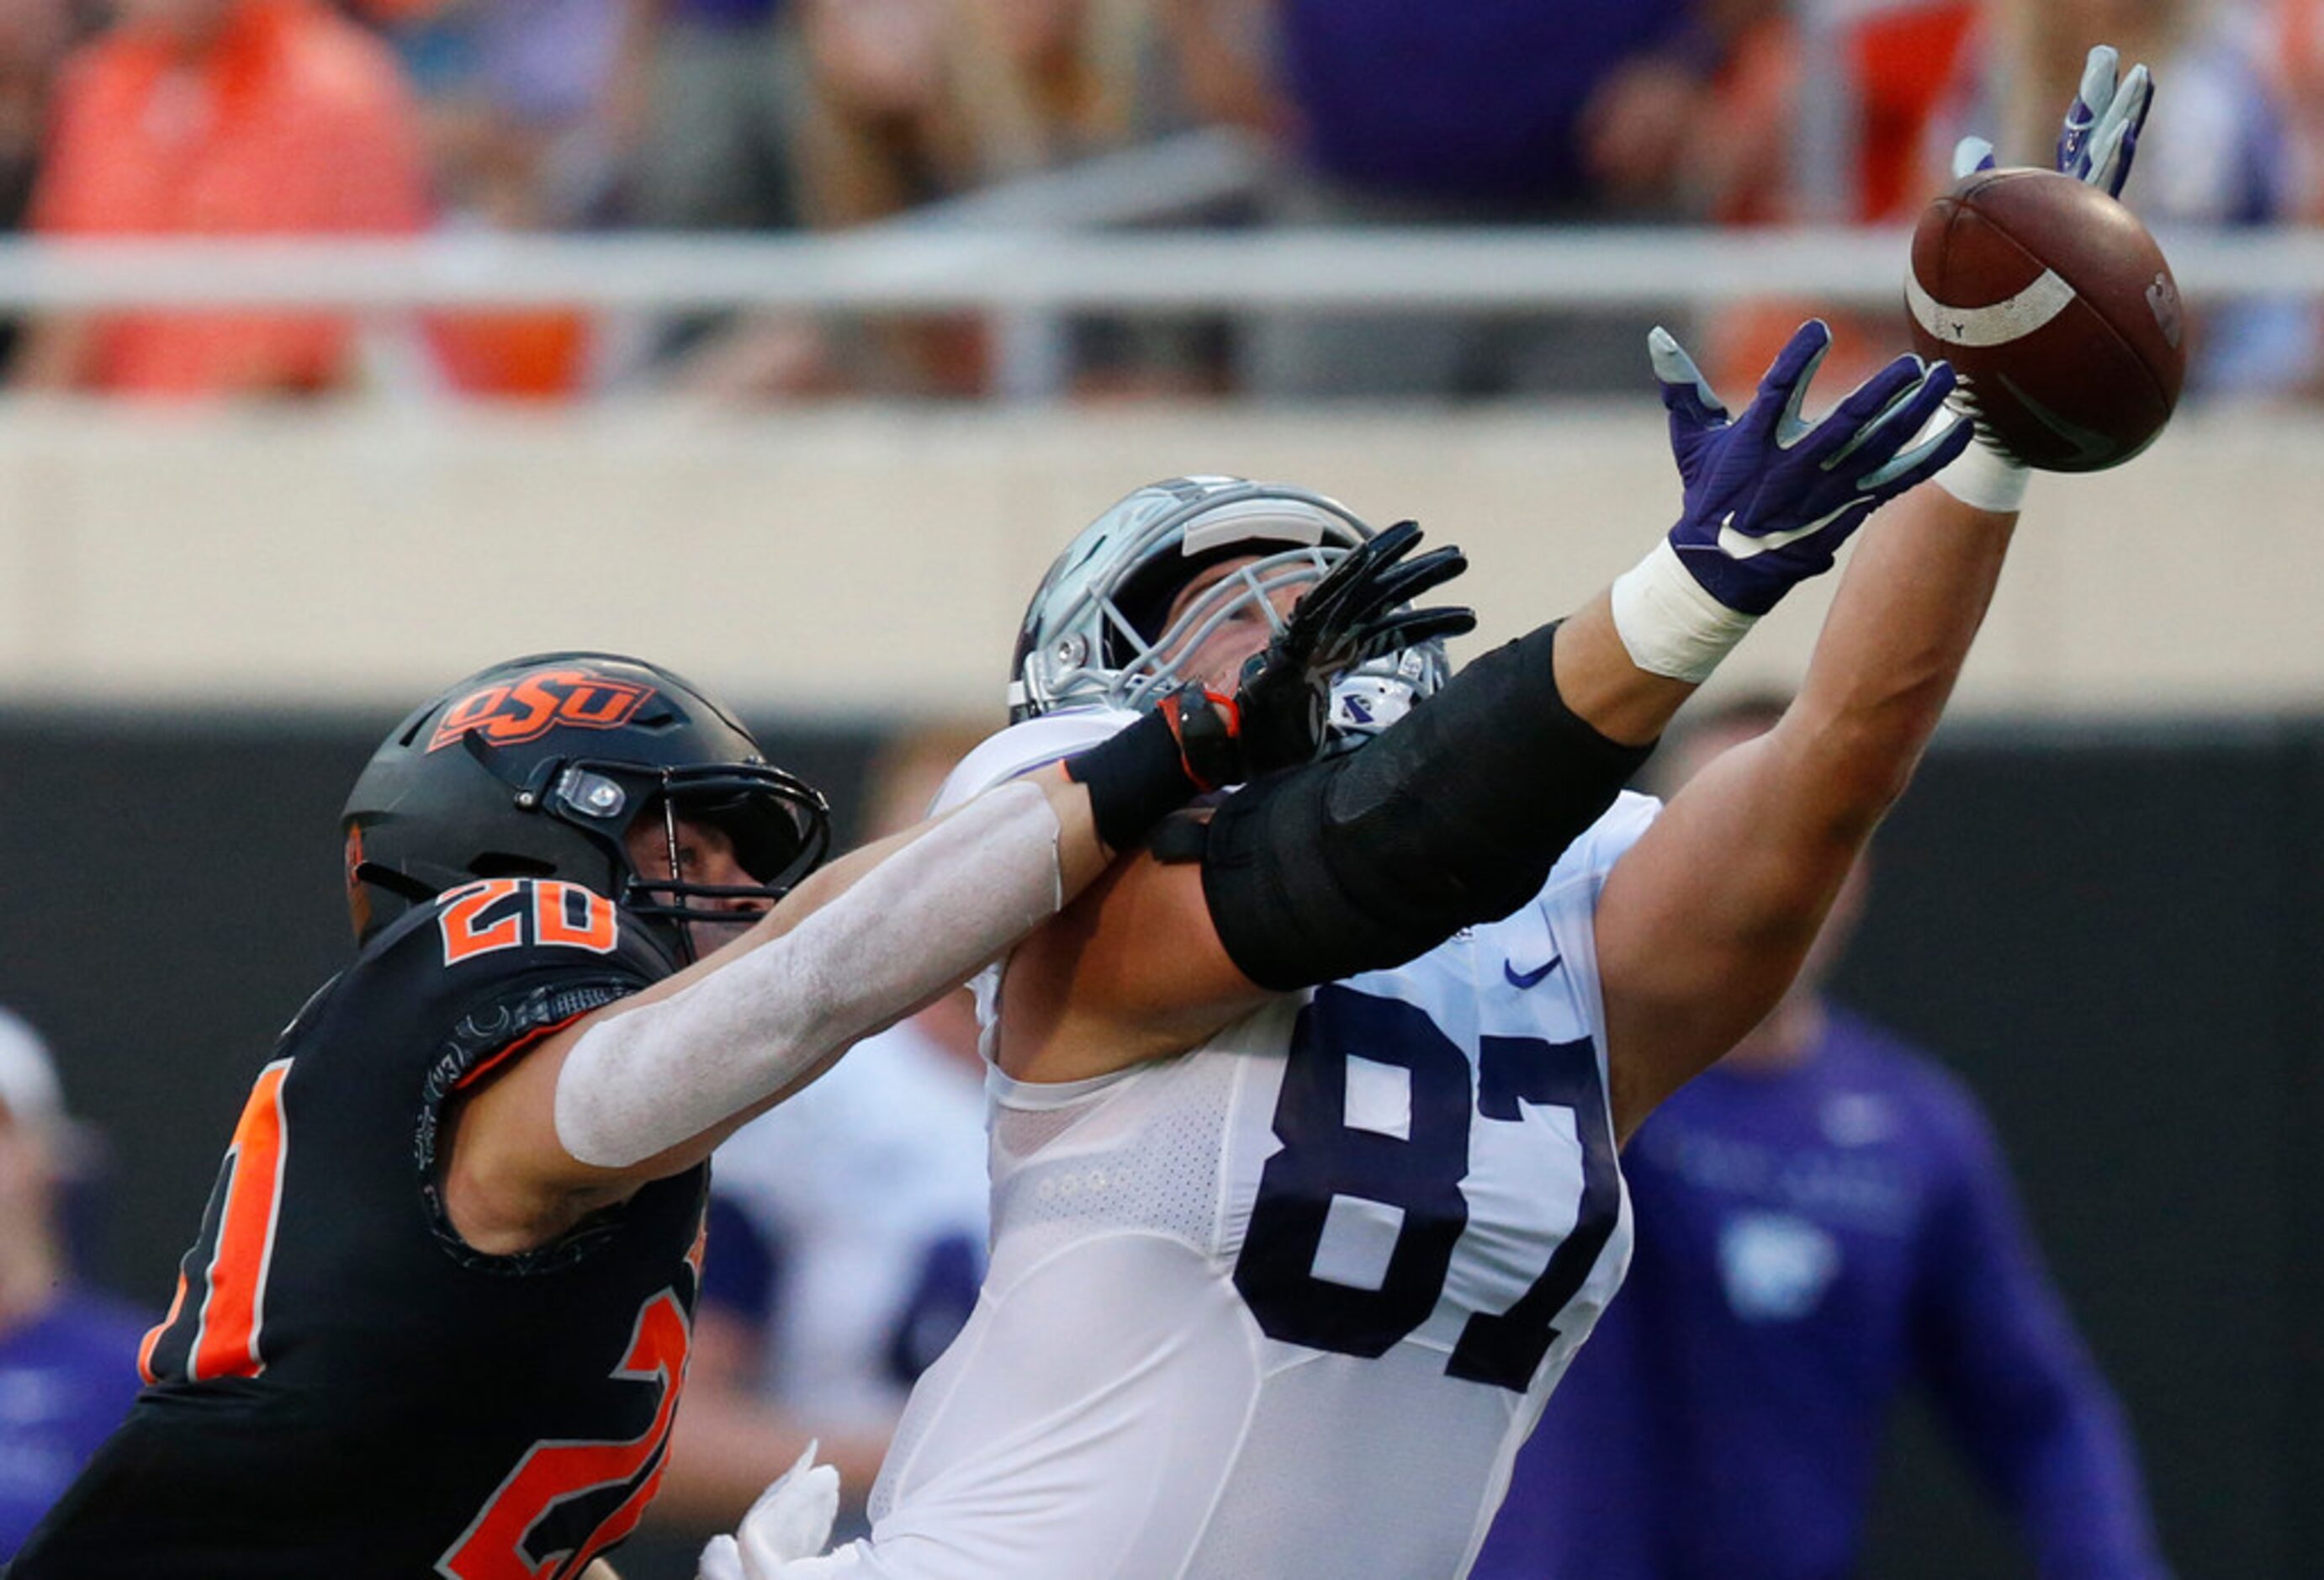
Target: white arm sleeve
x=641 y=1082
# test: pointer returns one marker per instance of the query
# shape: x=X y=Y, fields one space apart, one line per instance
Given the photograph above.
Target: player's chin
x=710 y=937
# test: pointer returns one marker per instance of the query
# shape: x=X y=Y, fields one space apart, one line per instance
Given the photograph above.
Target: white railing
x=931 y=270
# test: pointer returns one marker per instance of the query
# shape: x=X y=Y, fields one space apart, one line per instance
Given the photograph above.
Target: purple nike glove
x=2099 y=139
x=1770 y=496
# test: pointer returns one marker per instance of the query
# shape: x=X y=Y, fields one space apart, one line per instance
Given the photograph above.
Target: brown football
x=2056 y=309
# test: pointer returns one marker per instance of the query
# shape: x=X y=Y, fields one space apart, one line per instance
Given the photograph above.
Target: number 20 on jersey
x=510 y=913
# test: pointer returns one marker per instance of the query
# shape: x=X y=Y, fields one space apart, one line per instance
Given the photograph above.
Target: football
x=2056 y=309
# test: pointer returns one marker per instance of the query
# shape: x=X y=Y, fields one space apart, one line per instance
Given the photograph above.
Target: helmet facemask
x=777 y=826
x=1095 y=635
x=780 y=827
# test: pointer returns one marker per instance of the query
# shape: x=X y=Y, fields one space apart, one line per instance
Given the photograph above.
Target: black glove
x=1277 y=717
x=1198 y=739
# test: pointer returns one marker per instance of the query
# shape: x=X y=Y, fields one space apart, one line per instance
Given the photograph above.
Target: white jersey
x=870 y=1190
x=1287 y=1305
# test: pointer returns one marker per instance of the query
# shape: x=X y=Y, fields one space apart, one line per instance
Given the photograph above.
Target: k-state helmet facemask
x=1095 y=635
x=541 y=766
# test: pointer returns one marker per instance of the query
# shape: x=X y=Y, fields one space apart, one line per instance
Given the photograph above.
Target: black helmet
x=539 y=766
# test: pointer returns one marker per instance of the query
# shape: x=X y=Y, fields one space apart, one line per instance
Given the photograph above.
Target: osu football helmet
x=1094 y=635
x=538 y=767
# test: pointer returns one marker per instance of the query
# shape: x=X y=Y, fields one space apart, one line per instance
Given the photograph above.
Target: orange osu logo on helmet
x=512 y=712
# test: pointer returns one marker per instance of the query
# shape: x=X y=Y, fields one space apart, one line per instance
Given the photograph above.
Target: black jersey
x=342 y=1387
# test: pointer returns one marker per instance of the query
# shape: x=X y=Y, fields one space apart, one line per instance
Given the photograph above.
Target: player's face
x=1217 y=660
x=705 y=855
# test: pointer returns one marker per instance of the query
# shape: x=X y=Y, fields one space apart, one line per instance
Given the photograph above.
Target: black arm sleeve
x=1451 y=818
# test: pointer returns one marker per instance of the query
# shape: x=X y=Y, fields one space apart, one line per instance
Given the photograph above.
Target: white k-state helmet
x=1093 y=635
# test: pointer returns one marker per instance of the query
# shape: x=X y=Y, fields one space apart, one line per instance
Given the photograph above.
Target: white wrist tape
x=1670 y=625
x=641 y=1082
x=1981 y=477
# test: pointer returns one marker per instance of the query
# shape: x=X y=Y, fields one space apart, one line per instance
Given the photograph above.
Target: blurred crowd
x=397 y=117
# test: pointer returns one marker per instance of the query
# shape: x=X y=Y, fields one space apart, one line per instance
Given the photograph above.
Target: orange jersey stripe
x=145 y=1350
x=231 y=1317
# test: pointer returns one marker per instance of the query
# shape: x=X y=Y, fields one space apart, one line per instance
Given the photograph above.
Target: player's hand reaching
x=790 y=1520
x=1357 y=612
x=2099 y=138
x=2097 y=144
x=1769 y=496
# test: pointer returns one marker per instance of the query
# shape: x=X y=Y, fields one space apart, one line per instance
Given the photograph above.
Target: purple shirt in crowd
x=1809 y=1241
x=66 y=1379
x=1473 y=100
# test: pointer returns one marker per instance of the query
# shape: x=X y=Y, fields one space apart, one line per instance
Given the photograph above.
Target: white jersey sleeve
x=1025 y=748
x=1019 y=750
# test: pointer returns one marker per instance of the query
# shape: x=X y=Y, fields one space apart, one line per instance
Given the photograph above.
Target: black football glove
x=1277 y=715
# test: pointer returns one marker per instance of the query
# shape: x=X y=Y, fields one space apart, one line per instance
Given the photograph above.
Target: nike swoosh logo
x=1737 y=545
x=2088 y=446
x=1522 y=980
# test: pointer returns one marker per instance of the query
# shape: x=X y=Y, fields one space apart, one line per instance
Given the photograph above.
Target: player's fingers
x=1407 y=582
x=1847 y=427
x=1411 y=629
x=2100 y=67
x=2090 y=100
x=1686 y=393
x=791 y=1519
x=1347 y=583
x=2096 y=92
x=721 y=1560
x=2115 y=144
x=1910 y=468
x=1902 y=422
x=1970 y=155
x=1784 y=389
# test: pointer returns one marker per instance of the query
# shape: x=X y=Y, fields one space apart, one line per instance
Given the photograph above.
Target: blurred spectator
x=920 y=99
x=1492 y=112
x=33 y=37
x=705 y=100
x=68 y=1355
x=912 y=102
x=2218 y=149
x=216 y=117
x=1749 y=156
x=514 y=101
x=1822 y=1218
x=846 y=1240
x=1051 y=81
x=2297 y=47
x=875 y=131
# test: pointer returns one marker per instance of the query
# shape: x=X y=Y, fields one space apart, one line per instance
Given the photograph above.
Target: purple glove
x=2099 y=138
x=1769 y=496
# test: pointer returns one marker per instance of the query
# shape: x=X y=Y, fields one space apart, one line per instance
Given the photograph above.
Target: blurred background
x=352 y=346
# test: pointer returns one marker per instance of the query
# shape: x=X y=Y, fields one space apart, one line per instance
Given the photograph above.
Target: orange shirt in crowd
x=1902 y=61
x=294 y=122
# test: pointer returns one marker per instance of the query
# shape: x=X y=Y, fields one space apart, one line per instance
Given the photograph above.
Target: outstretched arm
x=1455 y=815
x=647 y=1087
x=1705 y=922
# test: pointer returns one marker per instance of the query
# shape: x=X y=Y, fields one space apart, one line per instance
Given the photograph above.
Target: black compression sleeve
x=1451 y=818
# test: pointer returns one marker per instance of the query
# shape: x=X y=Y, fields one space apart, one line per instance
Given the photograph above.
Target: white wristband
x=1668 y=624
x=1981 y=477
